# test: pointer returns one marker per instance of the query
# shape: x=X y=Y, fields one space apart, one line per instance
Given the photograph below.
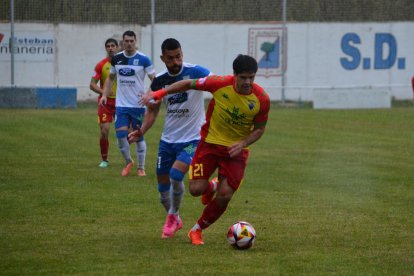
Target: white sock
x=196 y=227
x=123 y=146
x=141 y=149
x=176 y=195
x=165 y=200
x=214 y=185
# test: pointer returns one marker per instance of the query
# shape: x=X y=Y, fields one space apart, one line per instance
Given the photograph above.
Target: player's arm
x=177 y=87
x=255 y=135
x=259 y=125
x=151 y=77
x=107 y=88
x=151 y=114
x=93 y=85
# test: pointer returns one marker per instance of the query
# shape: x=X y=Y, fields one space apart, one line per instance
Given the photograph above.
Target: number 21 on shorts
x=196 y=170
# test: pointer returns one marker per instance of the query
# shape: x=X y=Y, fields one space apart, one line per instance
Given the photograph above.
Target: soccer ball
x=241 y=235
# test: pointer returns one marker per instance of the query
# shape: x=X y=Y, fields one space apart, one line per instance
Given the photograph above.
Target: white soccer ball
x=241 y=235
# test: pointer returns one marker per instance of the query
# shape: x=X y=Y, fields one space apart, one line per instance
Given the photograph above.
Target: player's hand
x=103 y=100
x=135 y=135
x=146 y=98
x=236 y=148
x=155 y=96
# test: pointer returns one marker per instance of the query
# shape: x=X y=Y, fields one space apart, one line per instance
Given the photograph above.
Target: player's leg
x=106 y=118
x=165 y=160
x=231 y=174
x=141 y=146
x=103 y=121
x=104 y=144
x=122 y=123
x=184 y=154
x=173 y=222
x=204 y=163
x=179 y=169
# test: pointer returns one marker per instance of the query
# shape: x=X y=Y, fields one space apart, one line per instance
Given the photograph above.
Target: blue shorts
x=169 y=152
x=128 y=117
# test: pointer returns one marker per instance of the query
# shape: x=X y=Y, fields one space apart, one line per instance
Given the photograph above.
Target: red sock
x=210 y=214
x=104 y=143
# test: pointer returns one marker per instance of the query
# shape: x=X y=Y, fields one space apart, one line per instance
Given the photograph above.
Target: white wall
x=77 y=49
x=313 y=58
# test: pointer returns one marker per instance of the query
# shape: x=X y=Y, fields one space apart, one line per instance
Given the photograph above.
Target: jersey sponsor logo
x=127 y=82
x=180 y=111
x=235 y=117
x=178 y=98
x=225 y=96
x=126 y=72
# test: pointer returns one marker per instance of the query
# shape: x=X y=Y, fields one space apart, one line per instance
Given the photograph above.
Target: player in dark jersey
x=181 y=133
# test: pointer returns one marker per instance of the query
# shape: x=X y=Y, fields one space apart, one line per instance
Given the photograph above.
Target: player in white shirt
x=129 y=67
x=183 y=120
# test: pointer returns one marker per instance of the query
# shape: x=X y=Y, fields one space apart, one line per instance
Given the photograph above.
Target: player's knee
x=197 y=187
x=176 y=175
x=104 y=134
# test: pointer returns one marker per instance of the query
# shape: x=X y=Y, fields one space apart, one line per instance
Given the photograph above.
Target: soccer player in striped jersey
x=183 y=120
x=236 y=118
x=129 y=67
x=106 y=113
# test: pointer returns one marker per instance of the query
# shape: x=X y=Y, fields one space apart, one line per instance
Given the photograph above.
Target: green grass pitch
x=328 y=192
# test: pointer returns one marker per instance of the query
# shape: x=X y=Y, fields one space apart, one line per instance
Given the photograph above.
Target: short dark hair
x=244 y=64
x=129 y=33
x=111 y=40
x=170 y=44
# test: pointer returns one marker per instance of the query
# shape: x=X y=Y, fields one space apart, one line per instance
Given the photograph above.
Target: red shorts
x=106 y=113
x=209 y=157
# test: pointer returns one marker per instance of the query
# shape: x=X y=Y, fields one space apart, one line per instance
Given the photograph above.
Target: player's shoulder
x=260 y=93
x=162 y=74
x=189 y=65
x=194 y=67
x=142 y=56
x=139 y=53
x=102 y=62
x=222 y=79
x=143 y=59
x=117 y=57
